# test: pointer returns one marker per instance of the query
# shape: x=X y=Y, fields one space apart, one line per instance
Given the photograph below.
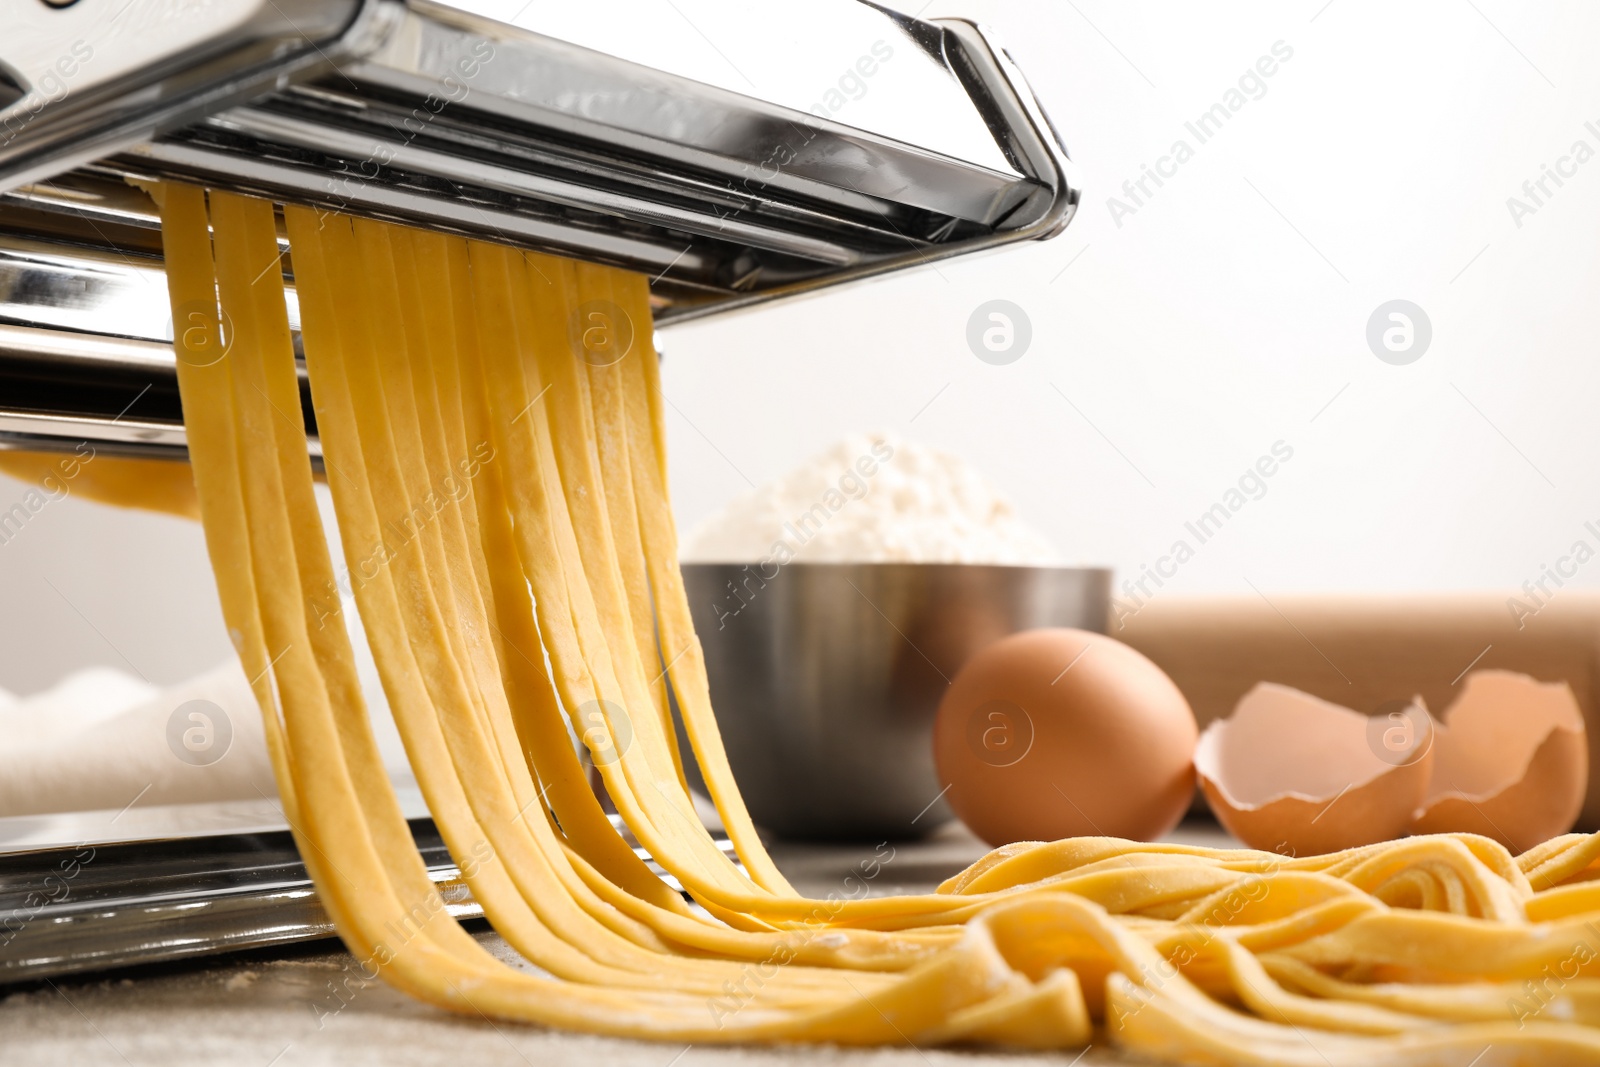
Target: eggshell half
x=1511 y=761
x=1290 y=773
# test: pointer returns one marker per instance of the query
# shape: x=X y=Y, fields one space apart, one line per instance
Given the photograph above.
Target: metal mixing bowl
x=825 y=678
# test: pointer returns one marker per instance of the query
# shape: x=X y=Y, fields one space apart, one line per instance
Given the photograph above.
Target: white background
x=1227 y=313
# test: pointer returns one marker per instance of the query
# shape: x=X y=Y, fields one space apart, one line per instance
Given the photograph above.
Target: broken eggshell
x=1291 y=773
x=1511 y=762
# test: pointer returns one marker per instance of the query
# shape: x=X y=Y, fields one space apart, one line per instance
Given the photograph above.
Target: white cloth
x=101 y=739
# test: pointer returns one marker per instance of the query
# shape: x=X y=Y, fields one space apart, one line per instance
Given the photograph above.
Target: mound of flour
x=871 y=498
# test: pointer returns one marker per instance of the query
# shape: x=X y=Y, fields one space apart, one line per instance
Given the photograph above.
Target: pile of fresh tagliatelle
x=535 y=590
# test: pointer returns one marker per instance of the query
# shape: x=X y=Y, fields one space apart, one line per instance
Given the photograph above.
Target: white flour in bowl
x=871 y=498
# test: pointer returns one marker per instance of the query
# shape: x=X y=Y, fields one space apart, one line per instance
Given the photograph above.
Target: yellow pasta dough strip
x=400 y=590
x=565 y=786
x=586 y=675
x=530 y=862
x=642 y=417
x=695 y=933
x=162 y=485
x=637 y=771
x=607 y=337
x=373 y=387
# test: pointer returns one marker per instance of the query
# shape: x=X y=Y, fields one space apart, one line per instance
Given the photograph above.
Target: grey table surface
x=309 y=1006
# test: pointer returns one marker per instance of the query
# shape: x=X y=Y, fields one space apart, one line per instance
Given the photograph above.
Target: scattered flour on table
x=872 y=498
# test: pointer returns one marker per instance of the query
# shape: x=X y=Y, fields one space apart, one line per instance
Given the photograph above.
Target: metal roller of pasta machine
x=729 y=166
x=863 y=142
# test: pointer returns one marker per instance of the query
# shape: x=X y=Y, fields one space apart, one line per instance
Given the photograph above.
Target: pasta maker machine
x=678 y=139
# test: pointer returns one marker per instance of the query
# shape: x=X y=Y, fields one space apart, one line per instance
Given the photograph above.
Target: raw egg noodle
x=502 y=504
x=146 y=484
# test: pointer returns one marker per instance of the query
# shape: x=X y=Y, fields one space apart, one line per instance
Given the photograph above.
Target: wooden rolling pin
x=1363 y=651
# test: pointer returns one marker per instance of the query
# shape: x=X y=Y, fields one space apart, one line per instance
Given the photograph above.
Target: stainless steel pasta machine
x=730 y=166
x=685 y=141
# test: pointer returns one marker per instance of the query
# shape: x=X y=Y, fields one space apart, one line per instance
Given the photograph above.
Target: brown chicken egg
x=1064 y=733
